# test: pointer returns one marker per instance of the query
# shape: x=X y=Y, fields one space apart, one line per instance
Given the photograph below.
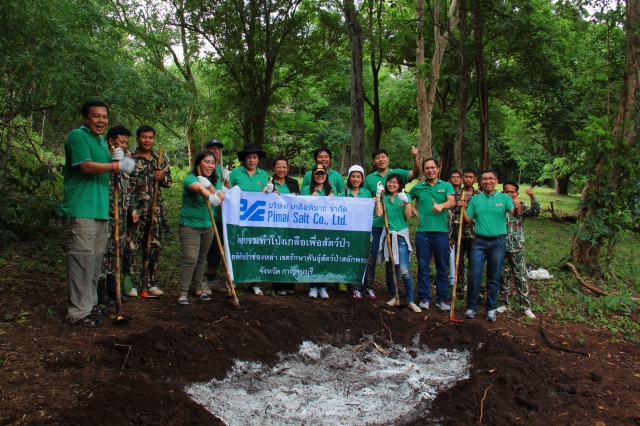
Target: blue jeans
x=436 y=244
x=402 y=270
x=373 y=256
x=491 y=252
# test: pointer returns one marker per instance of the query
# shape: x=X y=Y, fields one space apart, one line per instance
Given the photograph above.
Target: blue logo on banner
x=252 y=213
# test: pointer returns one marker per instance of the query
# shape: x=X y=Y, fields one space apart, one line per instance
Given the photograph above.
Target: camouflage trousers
x=109 y=259
x=514 y=266
x=463 y=266
x=137 y=235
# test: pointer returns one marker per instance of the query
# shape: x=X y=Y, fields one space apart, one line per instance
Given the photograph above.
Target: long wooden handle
x=455 y=275
x=224 y=261
x=116 y=238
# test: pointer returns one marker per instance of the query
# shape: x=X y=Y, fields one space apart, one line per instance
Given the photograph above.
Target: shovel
x=397 y=303
x=116 y=237
x=236 y=302
x=455 y=276
x=147 y=252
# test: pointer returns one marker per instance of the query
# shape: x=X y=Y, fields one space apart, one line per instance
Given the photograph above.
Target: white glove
x=127 y=165
x=379 y=189
x=403 y=197
x=204 y=182
x=214 y=200
x=269 y=187
x=225 y=174
x=117 y=154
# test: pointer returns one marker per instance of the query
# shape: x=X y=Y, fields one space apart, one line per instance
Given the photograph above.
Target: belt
x=482 y=237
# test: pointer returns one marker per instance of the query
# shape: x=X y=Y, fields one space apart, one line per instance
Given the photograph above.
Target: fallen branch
x=126 y=357
x=482 y=403
x=591 y=288
x=556 y=347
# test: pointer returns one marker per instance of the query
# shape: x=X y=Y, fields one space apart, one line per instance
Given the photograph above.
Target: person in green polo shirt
x=489 y=209
x=323 y=156
x=434 y=197
x=196 y=230
x=355 y=188
x=86 y=209
x=374 y=184
x=250 y=178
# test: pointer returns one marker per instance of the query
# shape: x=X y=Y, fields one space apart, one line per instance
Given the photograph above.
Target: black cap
x=213 y=142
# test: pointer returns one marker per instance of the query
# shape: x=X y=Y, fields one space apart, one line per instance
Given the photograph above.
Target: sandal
x=90 y=322
x=257 y=291
x=99 y=311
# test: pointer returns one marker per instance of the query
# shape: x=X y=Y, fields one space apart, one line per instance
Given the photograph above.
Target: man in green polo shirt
x=86 y=209
x=379 y=179
x=434 y=197
x=323 y=156
x=489 y=209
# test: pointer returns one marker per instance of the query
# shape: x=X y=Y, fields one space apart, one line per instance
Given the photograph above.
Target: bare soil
x=58 y=373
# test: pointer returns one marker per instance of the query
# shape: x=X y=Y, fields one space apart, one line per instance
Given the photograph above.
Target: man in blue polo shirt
x=489 y=209
x=434 y=197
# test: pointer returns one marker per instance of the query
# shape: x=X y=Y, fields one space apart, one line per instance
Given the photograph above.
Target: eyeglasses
x=430 y=168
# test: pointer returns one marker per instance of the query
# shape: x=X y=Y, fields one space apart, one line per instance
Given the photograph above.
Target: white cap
x=355 y=168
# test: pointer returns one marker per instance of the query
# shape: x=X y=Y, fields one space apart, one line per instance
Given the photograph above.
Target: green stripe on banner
x=288 y=255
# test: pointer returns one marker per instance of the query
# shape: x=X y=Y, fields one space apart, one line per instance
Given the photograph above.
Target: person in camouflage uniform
x=468 y=179
x=117 y=137
x=514 y=264
x=142 y=182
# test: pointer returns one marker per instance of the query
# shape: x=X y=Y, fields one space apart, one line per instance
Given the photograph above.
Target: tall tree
x=463 y=88
x=357 y=88
x=479 y=21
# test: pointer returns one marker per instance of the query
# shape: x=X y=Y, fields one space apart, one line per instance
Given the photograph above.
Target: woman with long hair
x=196 y=230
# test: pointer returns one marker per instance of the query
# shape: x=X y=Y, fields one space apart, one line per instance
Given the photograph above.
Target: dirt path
x=56 y=373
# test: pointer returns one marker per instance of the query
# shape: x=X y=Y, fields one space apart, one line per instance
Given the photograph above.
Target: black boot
x=103 y=296
x=111 y=288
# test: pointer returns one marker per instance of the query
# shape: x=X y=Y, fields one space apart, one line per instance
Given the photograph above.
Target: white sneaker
x=529 y=314
x=313 y=292
x=414 y=307
x=205 y=288
x=133 y=292
x=502 y=309
x=282 y=292
x=424 y=304
x=323 y=293
x=155 y=291
x=392 y=302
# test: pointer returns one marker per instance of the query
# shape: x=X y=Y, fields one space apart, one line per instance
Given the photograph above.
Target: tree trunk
x=425 y=109
x=463 y=88
x=423 y=145
x=357 y=90
x=585 y=252
x=479 y=20
x=192 y=145
x=376 y=57
x=562 y=185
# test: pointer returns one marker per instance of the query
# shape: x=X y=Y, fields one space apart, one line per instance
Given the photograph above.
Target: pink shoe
x=356 y=294
x=370 y=294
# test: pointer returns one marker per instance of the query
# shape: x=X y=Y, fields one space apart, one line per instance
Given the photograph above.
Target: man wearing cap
x=434 y=198
x=323 y=156
x=375 y=183
x=250 y=178
x=489 y=209
x=216 y=146
x=86 y=209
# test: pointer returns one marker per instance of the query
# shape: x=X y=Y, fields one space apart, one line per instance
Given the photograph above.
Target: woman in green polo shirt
x=355 y=188
x=251 y=178
x=321 y=188
x=196 y=229
x=398 y=206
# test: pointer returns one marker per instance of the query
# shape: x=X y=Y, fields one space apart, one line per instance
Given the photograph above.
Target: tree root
x=591 y=288
x=556 y=347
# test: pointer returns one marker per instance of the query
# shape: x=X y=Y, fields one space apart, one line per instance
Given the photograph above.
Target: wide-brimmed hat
x=250 y=148
x=213 y=142
x=319 y=168
x=355 y=168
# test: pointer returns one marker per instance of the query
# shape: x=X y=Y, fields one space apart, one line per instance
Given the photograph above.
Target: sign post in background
x=289 y=238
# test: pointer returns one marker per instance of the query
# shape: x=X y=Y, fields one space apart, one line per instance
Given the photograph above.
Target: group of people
x=96 y=169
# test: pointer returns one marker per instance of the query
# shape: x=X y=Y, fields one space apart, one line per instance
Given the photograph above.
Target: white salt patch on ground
x=326 y=385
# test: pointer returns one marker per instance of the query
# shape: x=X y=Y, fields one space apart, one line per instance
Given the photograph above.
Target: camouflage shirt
x=515 y=226
x=468 y=230
x=124 y=195
x=142 y=182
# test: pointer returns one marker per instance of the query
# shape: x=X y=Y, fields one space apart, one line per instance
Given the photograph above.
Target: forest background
x=542 y=91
